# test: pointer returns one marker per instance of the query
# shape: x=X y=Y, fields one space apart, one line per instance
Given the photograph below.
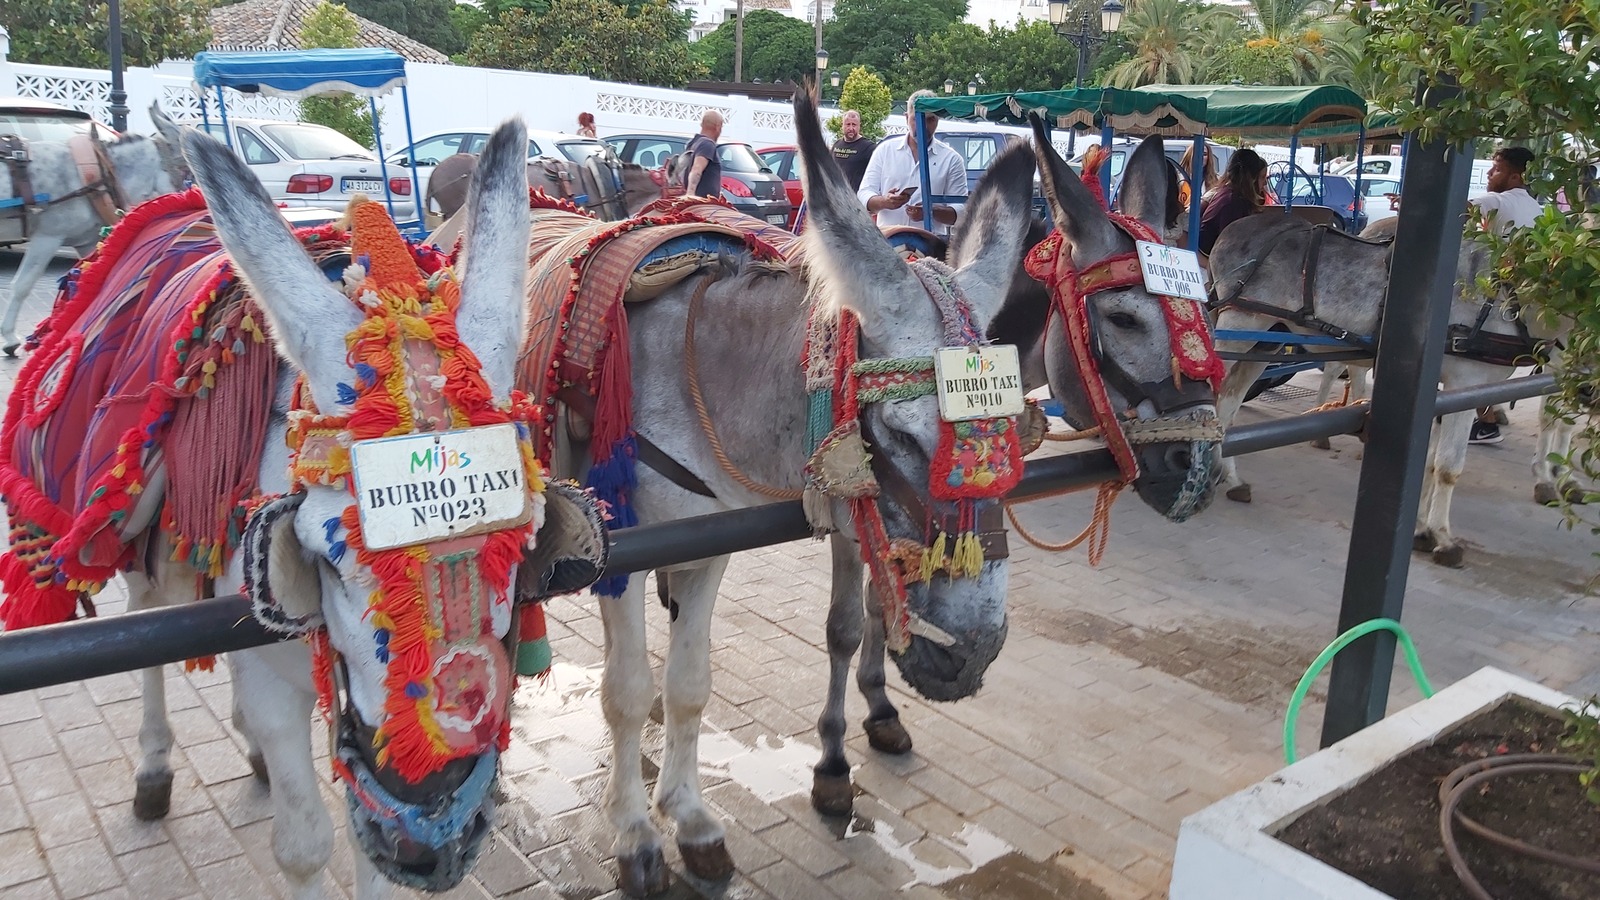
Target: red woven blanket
x=151 y=343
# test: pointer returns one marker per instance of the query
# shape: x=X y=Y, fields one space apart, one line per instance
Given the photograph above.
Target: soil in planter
x=1385 y=830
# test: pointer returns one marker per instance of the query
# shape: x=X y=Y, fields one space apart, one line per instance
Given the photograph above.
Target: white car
x=306 y=165
x=433 y=149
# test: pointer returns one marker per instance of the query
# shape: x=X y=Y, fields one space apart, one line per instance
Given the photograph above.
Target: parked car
x=747 y=182
x=1390 y=168
x=433 y=149
x=784 y=161
x=306 y=165
x=38 y=120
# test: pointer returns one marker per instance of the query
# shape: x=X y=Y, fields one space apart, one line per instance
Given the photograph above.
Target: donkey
x=143 y=168
x=447 y=187
x=417 y=826
x=1139 y=347
x=1258 y=268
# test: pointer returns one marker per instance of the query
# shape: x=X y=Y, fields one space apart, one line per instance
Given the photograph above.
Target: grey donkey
x=144 y=167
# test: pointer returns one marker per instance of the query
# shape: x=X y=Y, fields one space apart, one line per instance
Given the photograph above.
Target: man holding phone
x=891 y=187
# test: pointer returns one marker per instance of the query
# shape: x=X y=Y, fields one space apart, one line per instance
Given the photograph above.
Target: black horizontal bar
x=90 y=648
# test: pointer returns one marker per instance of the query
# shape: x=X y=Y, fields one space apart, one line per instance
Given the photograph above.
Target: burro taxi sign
x=978 y=382
x=427 y=487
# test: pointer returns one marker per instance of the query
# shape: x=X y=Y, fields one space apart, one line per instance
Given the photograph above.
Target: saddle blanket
x=151 y=357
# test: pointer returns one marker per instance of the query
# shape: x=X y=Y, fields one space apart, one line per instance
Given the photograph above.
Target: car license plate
x=370 y=185
x=777 y=220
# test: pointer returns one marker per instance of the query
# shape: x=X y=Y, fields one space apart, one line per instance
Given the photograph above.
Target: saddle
x=1473 y=342
x=99 y=180
x=592 y=185
x=1305 y=315
x=913 y=243
x=153 y=350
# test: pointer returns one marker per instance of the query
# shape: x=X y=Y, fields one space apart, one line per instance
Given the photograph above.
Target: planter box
x=1227 y=850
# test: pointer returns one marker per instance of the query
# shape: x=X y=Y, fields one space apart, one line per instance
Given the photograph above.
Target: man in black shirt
x=852 y=151
x=705 y=172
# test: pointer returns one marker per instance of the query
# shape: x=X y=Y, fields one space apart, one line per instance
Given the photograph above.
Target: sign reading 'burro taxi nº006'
x=424 y=487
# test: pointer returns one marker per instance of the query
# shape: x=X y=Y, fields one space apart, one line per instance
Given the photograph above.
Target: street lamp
x=972 y=88
x=822 y=62
x=949 y=86
x=1082 y=38
x=833 y=78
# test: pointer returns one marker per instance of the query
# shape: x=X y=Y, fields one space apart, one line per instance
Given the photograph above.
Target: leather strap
x=649 y=453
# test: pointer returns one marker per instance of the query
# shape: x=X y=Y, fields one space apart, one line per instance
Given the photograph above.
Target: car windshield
x=580 y=151
x=42 y=126
x=739 y=158
x=314 y=142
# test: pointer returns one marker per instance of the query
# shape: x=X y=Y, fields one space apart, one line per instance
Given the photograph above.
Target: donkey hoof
x=1574 y=494
x=258 y=768
x=1423 y=542
x=1451 y=557
x=832 y=795
x=888 y=735
x=643 y=873
x=1239 y=493
x=152 y=796
x=1321 y=443
x=710 y=861
x=1545 y=494
x=10 y=349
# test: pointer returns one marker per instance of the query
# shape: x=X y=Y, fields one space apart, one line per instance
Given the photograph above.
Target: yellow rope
x=692 y=365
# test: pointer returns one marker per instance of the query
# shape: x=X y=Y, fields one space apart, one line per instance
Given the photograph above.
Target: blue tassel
x=347 y=394
x=366 y=374
x=238 y=347
x=613 y=480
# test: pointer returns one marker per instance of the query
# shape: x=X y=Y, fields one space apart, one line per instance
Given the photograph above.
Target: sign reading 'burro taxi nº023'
x=424 y=487
x=978 y=382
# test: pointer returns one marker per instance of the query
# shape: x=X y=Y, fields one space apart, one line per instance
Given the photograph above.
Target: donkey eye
x=1123 y=320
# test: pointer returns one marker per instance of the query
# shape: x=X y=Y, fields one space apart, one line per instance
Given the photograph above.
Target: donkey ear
x=494 y=266
x=165 y=127
x=990 y=238
x=309 y=318
x=1078 y=215
x=847 y=249
x=1146 y=183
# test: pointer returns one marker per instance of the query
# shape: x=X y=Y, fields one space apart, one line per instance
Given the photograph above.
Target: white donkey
x=1258 y=268
x=143 y=168
x=418 y=812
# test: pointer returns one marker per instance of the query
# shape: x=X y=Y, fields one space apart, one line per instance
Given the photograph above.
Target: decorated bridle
x=1195 y=366
x=976 y=461
x=434 y=607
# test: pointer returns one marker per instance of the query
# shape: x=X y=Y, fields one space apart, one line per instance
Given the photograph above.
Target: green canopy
x=1379 y=125
x=1129 y=112
x=1315 y=112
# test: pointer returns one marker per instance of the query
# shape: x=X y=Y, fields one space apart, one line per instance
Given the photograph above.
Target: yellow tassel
x=933 y=558
x=968 y=559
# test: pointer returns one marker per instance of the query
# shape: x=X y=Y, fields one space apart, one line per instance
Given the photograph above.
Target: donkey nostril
x=1179 y=457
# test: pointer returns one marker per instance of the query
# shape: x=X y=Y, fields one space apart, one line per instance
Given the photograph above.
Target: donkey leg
x=152 y=796
x=831 y=794
x=1450 y=456
x=685 y=688
x=41 y=248
x=625 y=698
x=1234 y=387
x=1330 y=377
x=1423 y=541
x=278 y=713
x=258 y=763
x=1552 y=481
x=884 y=732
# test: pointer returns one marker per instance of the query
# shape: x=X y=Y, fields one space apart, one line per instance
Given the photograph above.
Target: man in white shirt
x=1508 y=205
x=892 y=186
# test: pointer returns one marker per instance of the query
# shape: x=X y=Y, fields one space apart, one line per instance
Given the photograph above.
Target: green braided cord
x=904 y=391
x=819 y=418
x=891 y=366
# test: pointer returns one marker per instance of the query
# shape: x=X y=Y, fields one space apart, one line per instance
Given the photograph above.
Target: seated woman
x=1242 y=192
x=1209 y=182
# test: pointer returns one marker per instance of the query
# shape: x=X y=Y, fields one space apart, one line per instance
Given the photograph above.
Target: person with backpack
x=705 y=172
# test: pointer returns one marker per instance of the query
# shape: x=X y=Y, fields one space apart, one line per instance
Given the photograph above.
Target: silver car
x=306 y=165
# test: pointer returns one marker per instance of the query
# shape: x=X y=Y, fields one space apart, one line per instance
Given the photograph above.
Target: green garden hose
x=1326 y=656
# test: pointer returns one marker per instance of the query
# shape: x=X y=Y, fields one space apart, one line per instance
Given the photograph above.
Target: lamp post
x=949 y=86
x=822 y=65
x=118 y=96
x=1110 y=20
x=833 y=79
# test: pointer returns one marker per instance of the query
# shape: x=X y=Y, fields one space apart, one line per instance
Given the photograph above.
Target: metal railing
x=89 y=648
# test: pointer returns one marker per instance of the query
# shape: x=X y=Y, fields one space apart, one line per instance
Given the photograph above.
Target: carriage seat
x=1318 y=215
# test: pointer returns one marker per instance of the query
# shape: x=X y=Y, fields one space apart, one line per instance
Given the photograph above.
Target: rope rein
x=707 y=427
x=1097 y=532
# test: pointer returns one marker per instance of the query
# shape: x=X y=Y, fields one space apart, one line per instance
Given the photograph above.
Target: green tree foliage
x=597 y=38
x=776 y=47
x=75 y=32
x=865 y=93
x=1026 y=56
x=1530 y=72
x=427 y=21
x=881 y=33
x=332 y=26
x=1167 y=42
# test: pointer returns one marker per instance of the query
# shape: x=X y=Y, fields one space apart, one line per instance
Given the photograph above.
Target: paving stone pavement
x=1127 y=697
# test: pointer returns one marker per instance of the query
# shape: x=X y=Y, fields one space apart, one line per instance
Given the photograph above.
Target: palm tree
x=1298 y=26
x=1166 y=40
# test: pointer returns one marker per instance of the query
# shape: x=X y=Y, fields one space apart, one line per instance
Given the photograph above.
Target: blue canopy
x=366 y=71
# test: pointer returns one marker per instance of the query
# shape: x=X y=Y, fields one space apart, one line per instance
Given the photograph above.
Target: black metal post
x=1410 y=348
x=118 y=97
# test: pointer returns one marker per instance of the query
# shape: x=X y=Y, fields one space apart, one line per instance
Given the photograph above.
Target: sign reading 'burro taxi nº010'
x=979 y=382
x=424 y=487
